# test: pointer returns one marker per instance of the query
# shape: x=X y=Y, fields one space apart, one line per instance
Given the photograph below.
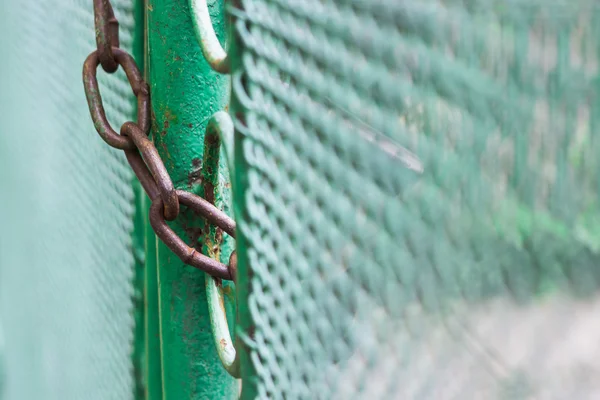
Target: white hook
x=207 y=38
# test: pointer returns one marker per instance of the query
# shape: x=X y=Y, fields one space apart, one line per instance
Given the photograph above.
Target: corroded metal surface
x=186 y=92
x=149 y=168
x=188 y=254
x=107 y=34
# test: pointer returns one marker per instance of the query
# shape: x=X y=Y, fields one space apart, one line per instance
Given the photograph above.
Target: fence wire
x=420 y=202
x=66 y=206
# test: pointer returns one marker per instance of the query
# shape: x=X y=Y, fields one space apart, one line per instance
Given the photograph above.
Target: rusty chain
x=140 y=150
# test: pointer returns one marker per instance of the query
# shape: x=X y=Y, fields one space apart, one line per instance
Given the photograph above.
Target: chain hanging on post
x=107 y=34
x=140 y=151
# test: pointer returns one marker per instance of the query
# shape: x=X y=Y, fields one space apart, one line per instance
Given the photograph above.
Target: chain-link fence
x=66 y=206
x=420 y=208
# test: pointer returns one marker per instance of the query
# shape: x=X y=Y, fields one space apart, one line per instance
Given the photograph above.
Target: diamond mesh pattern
x=420 y=199
x=66 y=210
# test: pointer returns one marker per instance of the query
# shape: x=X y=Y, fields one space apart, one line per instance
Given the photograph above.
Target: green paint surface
x=139 y=252
x=245 y=322
x=185 y=93
x=139 y=357
x=153 y=371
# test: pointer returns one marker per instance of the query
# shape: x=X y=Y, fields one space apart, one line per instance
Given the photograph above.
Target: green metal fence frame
x=179 y=359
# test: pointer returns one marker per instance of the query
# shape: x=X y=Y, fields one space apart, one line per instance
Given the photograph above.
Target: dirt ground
x=549 y=349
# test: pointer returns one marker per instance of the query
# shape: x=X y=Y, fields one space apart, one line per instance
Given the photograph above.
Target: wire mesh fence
x=420 y=199
x=66 y=205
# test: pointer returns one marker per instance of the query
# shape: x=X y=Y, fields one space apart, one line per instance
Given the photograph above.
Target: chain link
x=140 y=151
x=107 y=34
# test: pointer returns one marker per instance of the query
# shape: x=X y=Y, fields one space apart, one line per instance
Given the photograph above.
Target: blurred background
x=415 y=188
x=66 y=256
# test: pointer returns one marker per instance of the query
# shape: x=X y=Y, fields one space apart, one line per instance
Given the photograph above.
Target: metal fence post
x=185 y=92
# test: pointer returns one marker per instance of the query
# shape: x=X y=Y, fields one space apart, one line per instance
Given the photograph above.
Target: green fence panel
x=416 y=190
x=417 y=198
x=66 y=206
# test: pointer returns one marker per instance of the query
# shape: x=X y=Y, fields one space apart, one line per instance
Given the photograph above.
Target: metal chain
x=141 y=152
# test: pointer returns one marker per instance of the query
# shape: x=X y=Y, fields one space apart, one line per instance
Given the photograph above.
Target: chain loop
x=140 y=150
x=156 y=167
x=188 y=254
x=201 y=206
x=107 y=34
x=145 y=161
x=94 y=99
x=137 y=164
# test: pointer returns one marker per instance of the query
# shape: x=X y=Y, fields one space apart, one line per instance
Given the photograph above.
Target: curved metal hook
x=220 y=327
x=220 y=125
x=209 y=43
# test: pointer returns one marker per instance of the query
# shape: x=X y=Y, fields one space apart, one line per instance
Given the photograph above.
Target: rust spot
x=212 y=139
x=177 y=58
x=227 y=290
x=219 y=236
x=223 y=343
x=166 y=124
x=194 y=233
x=169 y=116
x=194 y=177
x=209 y=192
x=190 y=126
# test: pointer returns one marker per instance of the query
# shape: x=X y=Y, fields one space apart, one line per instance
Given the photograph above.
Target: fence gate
x=414 y=186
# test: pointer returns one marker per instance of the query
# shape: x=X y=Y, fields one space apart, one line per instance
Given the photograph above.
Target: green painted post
x=153 y=353
x=185 y=93
x=153 y=370
x=139 y=251
x=138 y=240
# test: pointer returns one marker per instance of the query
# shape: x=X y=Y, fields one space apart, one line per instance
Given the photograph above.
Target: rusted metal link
x=187 y=254
x=94 y=99
x=233 y=265
x=141 y=152
x=107 y=34
x=137 y=164
x=204 y=208
x=207 y=211
x=156 y=167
